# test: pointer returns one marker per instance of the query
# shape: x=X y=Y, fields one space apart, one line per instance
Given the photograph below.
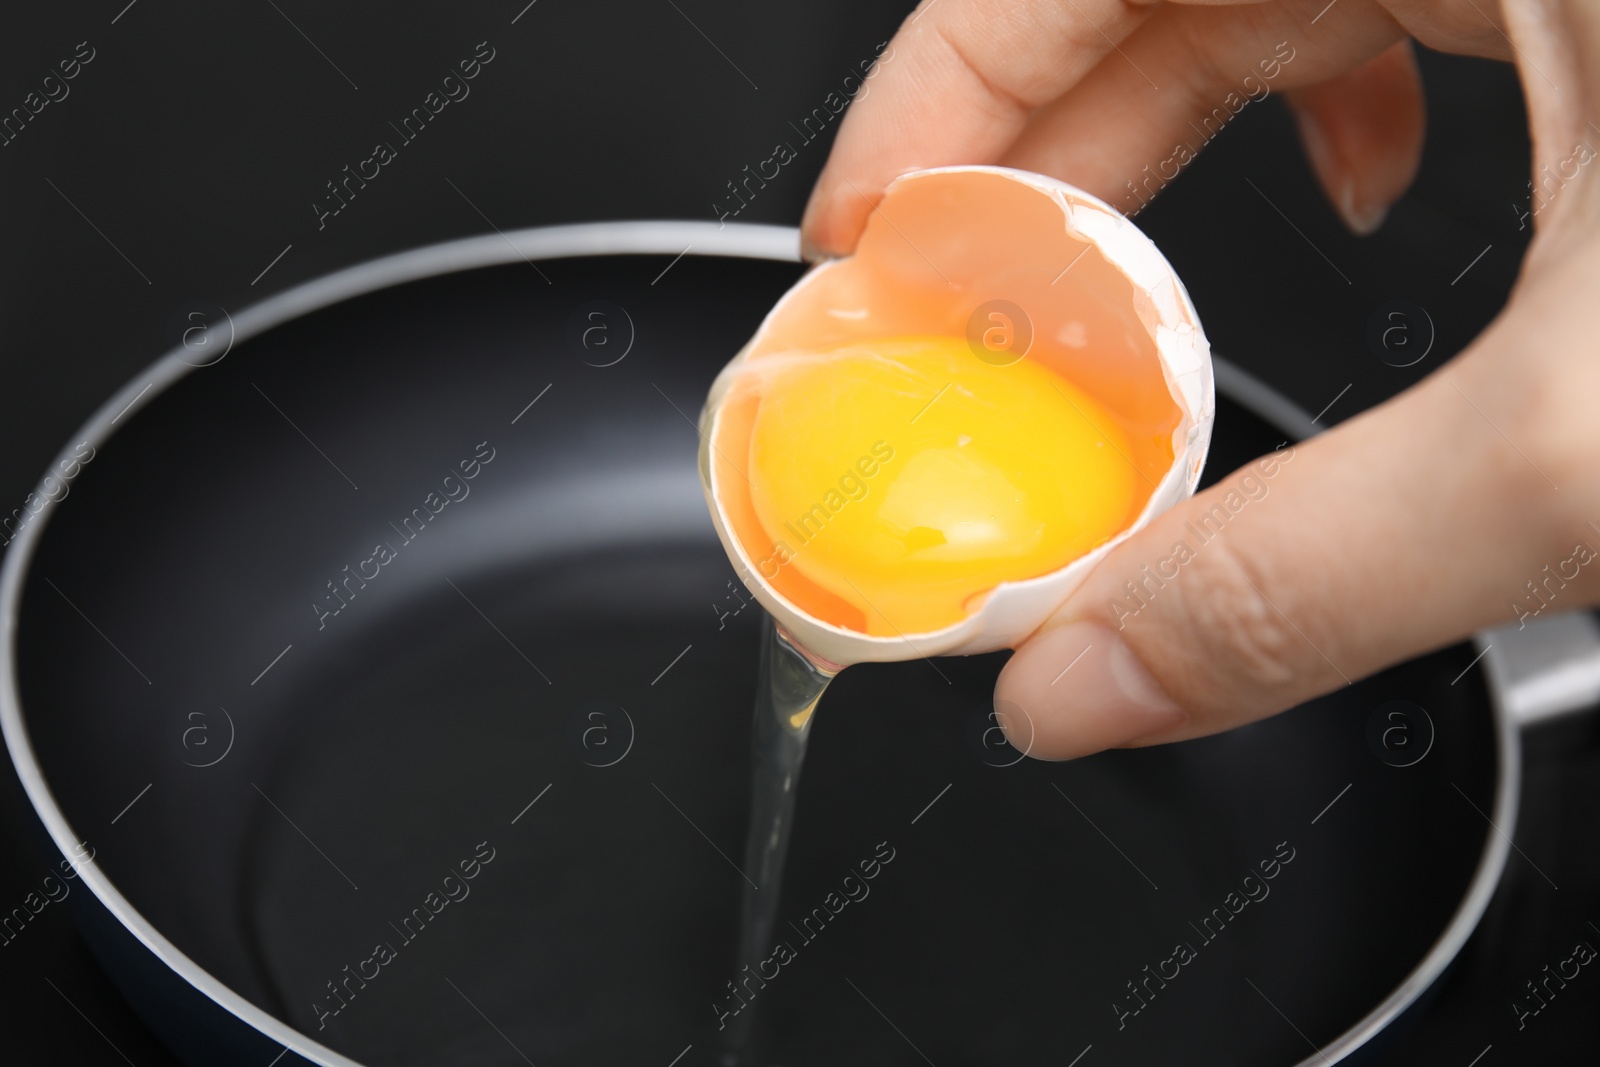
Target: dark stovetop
x=197 y=139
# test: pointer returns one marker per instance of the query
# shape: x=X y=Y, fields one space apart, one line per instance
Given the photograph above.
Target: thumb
x=1405 y=529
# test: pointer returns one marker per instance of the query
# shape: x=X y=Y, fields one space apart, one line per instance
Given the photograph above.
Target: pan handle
x=1545 y=669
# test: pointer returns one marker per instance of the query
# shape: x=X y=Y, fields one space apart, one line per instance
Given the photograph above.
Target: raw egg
x=927 y=444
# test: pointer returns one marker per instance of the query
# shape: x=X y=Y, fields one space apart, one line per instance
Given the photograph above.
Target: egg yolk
x=908 y=477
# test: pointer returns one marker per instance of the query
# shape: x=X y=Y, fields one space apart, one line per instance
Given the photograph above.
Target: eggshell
x=1104 y=306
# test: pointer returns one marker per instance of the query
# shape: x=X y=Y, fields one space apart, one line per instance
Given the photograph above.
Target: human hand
x=1409 y=526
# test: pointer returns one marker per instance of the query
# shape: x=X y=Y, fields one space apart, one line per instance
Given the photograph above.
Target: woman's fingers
x=1467 y=502
x=963 y=78
x=1103 y=94
x=1363 y=133
x=1135 y=122
x=1407 y=528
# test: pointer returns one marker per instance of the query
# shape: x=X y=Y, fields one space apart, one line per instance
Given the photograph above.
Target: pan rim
x=642 y=237
x=1278 y=410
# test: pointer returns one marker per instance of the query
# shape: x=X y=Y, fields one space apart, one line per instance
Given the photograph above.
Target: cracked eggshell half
x=1105 y=309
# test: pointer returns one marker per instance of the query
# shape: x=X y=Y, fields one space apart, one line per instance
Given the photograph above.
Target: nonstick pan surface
x=482 y=802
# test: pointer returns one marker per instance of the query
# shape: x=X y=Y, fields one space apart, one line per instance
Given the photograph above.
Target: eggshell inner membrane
x=937 y=251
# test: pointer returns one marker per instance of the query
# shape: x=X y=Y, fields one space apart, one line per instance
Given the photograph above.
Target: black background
x=200 y=135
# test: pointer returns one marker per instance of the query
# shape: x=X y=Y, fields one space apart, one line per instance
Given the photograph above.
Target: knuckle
x=1240 y=638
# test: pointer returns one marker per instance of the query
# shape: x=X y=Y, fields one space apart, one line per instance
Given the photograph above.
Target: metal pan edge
x=664 y=237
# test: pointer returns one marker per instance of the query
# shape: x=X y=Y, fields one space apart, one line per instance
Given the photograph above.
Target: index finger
x=960 y=81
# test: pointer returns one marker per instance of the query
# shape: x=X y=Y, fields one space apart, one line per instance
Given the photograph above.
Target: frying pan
x=381 y=678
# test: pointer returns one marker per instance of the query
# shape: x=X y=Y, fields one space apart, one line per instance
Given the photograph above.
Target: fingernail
x=1082 y=691
x=810 y=251
x=1362 y=219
